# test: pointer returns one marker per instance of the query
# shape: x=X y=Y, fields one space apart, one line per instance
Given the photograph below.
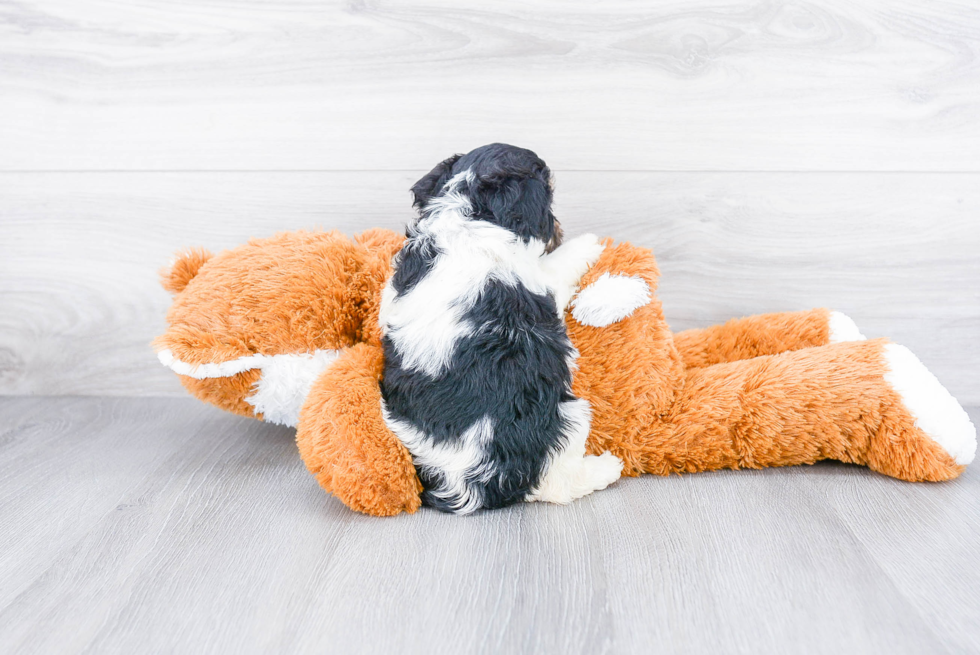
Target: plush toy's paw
x=934 y=409
x=610 y=299
x=842 y=328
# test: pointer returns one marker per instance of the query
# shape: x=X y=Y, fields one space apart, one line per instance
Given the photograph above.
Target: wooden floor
x=138 y=525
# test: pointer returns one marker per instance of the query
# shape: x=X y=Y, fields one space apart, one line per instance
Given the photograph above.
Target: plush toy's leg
x=865 y=402
x=345 y=443
x=765 y=334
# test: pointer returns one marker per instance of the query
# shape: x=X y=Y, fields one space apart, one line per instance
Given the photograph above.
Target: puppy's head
x=505 y=185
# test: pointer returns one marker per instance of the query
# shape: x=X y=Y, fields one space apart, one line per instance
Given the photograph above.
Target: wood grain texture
x=160 y=525
x=79 y=300
x=613 y=85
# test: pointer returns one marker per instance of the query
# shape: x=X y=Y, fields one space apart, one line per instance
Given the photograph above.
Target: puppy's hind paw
x=603 y=469
x=571 y=478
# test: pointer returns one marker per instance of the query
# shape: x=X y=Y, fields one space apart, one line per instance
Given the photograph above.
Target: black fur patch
x=514 y=369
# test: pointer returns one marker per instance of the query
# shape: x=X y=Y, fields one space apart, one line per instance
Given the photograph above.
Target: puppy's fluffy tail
x=185 y=266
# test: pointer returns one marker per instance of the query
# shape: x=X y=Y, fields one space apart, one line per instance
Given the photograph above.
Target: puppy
x=478 y=364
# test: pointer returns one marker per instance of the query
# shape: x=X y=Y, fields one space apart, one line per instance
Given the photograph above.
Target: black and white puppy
x=478 y=363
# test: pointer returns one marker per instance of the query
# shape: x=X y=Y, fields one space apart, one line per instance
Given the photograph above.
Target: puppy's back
x=484 y=429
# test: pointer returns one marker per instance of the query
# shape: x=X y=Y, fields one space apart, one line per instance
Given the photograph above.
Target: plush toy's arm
x=345 y=443
x=764 y=334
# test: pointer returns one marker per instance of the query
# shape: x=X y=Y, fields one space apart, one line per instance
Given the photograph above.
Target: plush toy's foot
x=841 y=328
x=936 y=414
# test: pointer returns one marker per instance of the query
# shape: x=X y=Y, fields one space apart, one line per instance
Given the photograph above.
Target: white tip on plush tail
x=281 y=390
x=935 y=411
x=205 y=371
x=610 y=299
x=842 y=328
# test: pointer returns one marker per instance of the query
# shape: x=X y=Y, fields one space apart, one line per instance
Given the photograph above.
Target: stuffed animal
x=286 y=330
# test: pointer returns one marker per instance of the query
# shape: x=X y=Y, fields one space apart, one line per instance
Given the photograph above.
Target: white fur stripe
x=934 y=409
x=609 y=299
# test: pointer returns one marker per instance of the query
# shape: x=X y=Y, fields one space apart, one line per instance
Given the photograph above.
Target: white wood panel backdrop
x=776 y=155
x=612 y=85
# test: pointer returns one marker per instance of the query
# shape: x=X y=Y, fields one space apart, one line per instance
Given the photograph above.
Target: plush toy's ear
x=431 y=183
x=185 y=266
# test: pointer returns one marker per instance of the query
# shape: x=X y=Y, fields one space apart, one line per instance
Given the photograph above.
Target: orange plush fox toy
x=286 y=330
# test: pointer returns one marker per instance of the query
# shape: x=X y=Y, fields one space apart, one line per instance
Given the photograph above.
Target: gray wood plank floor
x=138 y=525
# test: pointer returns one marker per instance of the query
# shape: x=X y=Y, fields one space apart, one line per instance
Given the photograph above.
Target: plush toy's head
x=270 y=314
x=498 y=183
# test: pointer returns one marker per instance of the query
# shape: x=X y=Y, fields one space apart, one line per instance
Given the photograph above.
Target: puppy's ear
x=523 y=205
x=430 y=184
